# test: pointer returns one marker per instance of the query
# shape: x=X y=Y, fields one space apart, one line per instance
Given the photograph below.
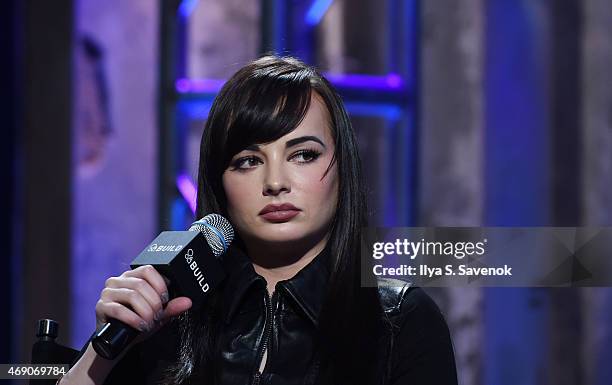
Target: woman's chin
x=281 y=234
x=280 y=237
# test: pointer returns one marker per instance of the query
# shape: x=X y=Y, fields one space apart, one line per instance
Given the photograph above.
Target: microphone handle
x=113 y=338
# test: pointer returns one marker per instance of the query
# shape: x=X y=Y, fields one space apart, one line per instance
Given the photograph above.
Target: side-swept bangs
x=272 y=101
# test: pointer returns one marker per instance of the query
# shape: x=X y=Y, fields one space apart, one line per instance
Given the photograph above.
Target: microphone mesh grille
x=217 y=231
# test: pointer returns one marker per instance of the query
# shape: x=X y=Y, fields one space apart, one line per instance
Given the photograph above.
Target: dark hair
x=262 y=102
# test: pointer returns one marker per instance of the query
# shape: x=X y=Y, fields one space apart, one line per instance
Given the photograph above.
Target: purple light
x=394 y=81
x=187 y=190
x=186 y=8
x=200 y=86
x=391 y=82
x=182 y=85
x=316 y=11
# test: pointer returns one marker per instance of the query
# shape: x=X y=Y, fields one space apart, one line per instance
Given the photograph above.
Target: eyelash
x=308 y=153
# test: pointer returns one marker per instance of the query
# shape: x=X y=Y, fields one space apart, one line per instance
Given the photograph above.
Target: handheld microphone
x=188 y=259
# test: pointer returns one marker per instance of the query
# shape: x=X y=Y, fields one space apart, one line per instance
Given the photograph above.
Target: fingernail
x=164 y=297
x=143 y=326
x=159 y=315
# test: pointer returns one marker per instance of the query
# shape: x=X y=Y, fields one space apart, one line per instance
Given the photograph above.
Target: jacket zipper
x=267 y=331
x=257 y=378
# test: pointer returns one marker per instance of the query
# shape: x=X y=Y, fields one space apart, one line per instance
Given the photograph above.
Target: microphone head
x=217 y=230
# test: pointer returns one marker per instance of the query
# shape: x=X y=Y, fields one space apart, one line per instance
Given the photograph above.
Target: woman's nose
x=275 y=181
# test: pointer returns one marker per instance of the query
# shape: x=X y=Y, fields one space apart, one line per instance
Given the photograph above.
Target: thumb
x=176 y=306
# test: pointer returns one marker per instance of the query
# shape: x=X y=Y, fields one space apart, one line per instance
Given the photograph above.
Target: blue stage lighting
x=316 y=11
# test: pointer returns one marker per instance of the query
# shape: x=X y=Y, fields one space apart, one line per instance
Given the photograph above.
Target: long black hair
x=262 y=102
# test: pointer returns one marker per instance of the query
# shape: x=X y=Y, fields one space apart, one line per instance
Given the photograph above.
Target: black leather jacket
x=285 y=325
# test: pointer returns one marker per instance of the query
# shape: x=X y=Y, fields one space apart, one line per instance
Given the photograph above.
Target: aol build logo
x=197 y=273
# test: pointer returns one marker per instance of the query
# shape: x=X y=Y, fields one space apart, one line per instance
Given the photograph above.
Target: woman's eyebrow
x=252 y=147
x=302 y=139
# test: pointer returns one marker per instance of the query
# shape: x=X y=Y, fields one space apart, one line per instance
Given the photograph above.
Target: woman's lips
x=279 y=212
x=280 y=215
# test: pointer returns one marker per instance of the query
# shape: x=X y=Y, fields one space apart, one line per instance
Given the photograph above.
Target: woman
x=279 y=160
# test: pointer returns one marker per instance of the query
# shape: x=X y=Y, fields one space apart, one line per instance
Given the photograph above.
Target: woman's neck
x=280 y=263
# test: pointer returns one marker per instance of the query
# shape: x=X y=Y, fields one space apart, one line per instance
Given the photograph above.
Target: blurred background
x=468 y=113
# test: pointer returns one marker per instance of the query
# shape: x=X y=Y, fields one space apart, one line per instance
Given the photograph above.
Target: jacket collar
x=307 y=288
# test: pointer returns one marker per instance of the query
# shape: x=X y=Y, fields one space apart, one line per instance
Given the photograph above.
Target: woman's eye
x=245 y=163
x=306 y=156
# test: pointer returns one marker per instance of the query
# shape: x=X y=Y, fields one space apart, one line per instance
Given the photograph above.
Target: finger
x=131 y=299
x=115 y=310
x=175 y=307
x=143 y=287
x=153 y=277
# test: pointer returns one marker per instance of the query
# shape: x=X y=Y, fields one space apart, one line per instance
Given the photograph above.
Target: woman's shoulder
x=400 y=299
x=423 y=351
x=392 y=293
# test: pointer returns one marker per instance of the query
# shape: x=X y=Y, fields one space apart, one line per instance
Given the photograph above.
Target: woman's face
x=278 y=191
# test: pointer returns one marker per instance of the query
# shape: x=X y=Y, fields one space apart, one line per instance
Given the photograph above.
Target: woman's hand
x=139 y=298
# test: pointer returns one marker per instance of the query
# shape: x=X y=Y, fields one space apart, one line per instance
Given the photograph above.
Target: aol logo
x=189 y=256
